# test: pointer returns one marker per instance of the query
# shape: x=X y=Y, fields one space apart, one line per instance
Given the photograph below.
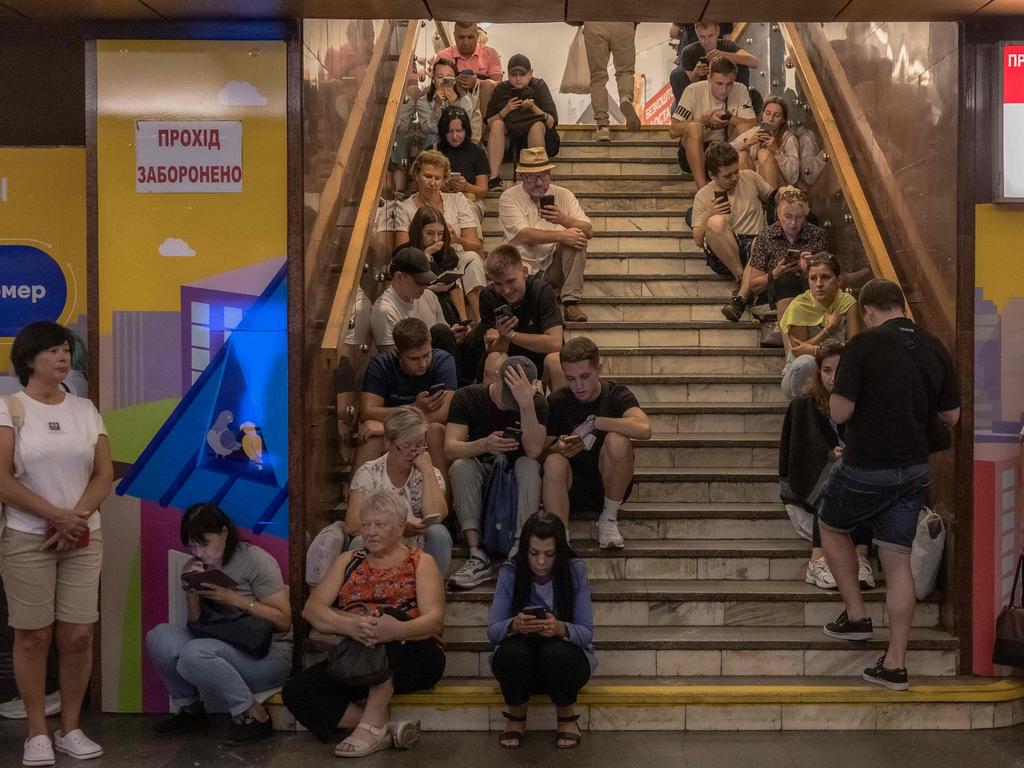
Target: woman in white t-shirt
x=406 y=468
x=55 y=471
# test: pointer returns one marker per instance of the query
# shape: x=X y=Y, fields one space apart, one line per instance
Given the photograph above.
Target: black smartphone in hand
x=721 y=196
x=512 y=433
x=435 y=388
x=547 y=200
x=504 y=311
x=536 y=612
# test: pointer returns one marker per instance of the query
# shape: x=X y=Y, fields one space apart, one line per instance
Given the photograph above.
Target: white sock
x=478 y=552
x=610 y=512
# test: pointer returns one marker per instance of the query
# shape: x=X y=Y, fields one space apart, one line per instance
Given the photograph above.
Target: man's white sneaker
x=608 y=536
x=865 y=575
x=473 y=573
x=38 y=751
x=77 y=745
x=819 y=574
x=15 y=708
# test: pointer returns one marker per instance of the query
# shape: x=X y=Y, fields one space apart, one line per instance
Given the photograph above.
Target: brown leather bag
x=1009 y=646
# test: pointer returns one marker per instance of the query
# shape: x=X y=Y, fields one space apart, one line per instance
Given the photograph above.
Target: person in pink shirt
x=478 y=65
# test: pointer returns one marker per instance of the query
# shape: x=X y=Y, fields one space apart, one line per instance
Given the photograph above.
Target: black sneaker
x=495 y=184
x=893 y=679
x=247 y=729
x=844 y=629
x=189 y=718
x=734 y=309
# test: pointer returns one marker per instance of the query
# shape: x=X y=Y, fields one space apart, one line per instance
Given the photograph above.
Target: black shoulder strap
x=918 y=355
x=357 y=559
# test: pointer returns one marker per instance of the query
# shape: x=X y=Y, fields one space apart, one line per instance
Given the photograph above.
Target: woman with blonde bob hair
x=386 y=594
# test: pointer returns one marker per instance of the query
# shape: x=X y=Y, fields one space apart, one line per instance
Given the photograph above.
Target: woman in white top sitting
x=55 y=471
x=774 y=153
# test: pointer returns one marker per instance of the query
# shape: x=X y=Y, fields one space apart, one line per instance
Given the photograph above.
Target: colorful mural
x=193 y=319
x=998 y=419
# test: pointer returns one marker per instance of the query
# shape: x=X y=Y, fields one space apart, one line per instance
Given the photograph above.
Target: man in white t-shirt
x=548 y=226
x=407 y=297
x=716 y=109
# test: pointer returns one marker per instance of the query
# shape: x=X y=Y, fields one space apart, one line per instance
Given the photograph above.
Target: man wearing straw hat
x=548 y=226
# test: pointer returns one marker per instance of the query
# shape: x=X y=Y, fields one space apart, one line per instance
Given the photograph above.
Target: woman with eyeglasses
x=820 y=313
x=406 y=469
x=771 y=148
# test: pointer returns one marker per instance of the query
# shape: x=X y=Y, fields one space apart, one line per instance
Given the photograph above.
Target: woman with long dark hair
x=470 y=167
x=196 y=667
x=773 y=153
x=542 y=626
x=429 y=231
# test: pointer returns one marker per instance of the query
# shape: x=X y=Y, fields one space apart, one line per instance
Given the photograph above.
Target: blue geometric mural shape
x=227 y=440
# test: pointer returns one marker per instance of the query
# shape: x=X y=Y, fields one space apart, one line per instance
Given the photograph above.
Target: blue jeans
x=437 y=542
x=200 y=668
x=890 y=499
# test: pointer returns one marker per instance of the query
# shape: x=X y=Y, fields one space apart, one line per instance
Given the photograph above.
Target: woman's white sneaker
x=38 y=751
x=865 y=575
x=819 y=574
x=77 y=745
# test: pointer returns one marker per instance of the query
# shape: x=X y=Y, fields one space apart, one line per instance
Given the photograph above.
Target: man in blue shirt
x=412 y=374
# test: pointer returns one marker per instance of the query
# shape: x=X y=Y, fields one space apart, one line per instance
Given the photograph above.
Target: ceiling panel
x=774 y=10
x=1003 y=8
x=359 y=9
x=487 y=10
x=909 y=10
x=82 y=9
x=657 y=10
x=9 y=13
x=220 y=9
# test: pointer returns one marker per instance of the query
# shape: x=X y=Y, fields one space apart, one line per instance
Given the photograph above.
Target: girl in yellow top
x=820 y=313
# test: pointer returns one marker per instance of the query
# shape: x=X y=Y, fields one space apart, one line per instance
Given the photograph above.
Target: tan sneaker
x=602 y=133
x=632 y=118
x=573 y=314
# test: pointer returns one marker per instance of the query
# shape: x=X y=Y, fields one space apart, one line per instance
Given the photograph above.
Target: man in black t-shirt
x=591 y=426
x=696 y=58
x=478 y=420
x=895 y=388
x=519 y=315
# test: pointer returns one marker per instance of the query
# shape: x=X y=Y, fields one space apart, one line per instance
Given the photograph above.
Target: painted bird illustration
x=252 y=444
x=221 y=439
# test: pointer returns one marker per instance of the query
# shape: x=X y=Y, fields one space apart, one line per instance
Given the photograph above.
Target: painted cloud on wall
x=175 y=246
x=241 y=93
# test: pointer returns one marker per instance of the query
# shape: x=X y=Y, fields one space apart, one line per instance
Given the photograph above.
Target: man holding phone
x=478 y=67
x=696 y=58
x=716 y=109
x=413 y=374
x=478 y=419
x=592 y=424
x=549 y=227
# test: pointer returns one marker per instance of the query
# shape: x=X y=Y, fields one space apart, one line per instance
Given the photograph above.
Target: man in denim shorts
x=894 y=381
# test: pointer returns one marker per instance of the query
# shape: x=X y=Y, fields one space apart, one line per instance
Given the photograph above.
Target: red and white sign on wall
x=1013 y=123
x=195 y=156
x=658 y=109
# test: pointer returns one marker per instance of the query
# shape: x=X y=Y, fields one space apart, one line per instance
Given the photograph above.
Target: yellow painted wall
x=999 y=245
x=45 y=208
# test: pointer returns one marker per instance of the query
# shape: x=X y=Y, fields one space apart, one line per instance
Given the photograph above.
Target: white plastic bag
x=576 y=78
x=926 y=553
x=802 y=520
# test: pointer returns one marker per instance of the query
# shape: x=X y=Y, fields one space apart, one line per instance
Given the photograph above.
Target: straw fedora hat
x=534 y=160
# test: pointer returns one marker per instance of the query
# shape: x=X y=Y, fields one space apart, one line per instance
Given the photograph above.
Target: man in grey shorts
x=896 y=391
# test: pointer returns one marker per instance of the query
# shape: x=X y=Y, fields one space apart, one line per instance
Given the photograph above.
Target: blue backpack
x=498 y=521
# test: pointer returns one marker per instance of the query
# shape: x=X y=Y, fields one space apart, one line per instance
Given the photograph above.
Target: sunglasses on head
x=793 y=196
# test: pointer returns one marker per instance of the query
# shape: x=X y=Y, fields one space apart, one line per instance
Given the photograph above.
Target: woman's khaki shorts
x=44 y=585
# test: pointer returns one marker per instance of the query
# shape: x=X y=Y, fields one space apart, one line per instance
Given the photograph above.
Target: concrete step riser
x=607 y=168
x=678 y=289
x=619 y=133
x=613 y=185
x=687 y=364
x=705 y=491
x=704 y=613
x=609 y=244
x=650 y=529
x=716 y=663
x=698 y=423
x=738 y=457
x=617 y=152
x=665 y=337
x=666 y=223
x=688 y=263
x=709 y=393
x=677 y=312
x=611 y=202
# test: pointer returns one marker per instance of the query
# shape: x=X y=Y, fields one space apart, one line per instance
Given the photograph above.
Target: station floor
x=128 y=744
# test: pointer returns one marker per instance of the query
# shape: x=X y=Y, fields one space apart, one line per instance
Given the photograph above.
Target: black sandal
x=516 y=737
x=573 y=738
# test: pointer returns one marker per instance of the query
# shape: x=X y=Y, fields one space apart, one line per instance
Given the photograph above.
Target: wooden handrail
x=875 y=158
x=863 y=218
x=738 y=29
x=355 y=254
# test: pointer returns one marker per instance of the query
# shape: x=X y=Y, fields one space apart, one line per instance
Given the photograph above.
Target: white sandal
x=361 y=747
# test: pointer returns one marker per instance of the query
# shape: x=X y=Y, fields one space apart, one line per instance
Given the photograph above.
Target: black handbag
x=249 y=634
x=1009 y=645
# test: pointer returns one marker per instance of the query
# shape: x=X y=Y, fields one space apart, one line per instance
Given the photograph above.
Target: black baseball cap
x=520 y=62
x=414 y=262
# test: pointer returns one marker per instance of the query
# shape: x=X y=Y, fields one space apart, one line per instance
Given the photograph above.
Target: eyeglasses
x=411 y=447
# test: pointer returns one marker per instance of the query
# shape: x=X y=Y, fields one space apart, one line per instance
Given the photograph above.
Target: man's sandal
x=360 y=746
x=515 y=737
x=568 y=739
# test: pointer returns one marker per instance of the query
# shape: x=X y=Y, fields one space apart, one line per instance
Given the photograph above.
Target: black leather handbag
x=249 y=634
x=1009 y=645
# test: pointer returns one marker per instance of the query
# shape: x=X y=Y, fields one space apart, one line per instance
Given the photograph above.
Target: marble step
x=725 y=450
x=696 y=308
x=606 y=167
x=714 y=651
x=626 y=241
x=689 y=418
x=696 y=388
x=653 y=221
x=666 y=334
x=625 y=263
x=631 y=182
x=703 y=285
x=697 y=360
x=620 y=151
x=585 y=134
x=622 y=202
x=706 y=484
x=701 y=604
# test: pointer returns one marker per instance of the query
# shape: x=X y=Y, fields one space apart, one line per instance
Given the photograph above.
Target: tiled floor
x=129 y=745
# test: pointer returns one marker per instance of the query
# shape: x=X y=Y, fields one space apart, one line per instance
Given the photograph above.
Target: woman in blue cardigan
x=542 y=627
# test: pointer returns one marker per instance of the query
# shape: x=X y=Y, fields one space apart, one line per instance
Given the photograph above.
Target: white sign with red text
x=194 y=156
x=1013 y=122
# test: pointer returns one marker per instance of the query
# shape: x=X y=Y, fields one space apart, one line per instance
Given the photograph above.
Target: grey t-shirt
x=258 y=576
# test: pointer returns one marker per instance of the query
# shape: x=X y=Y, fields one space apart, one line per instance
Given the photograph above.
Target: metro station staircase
x=704 y=621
